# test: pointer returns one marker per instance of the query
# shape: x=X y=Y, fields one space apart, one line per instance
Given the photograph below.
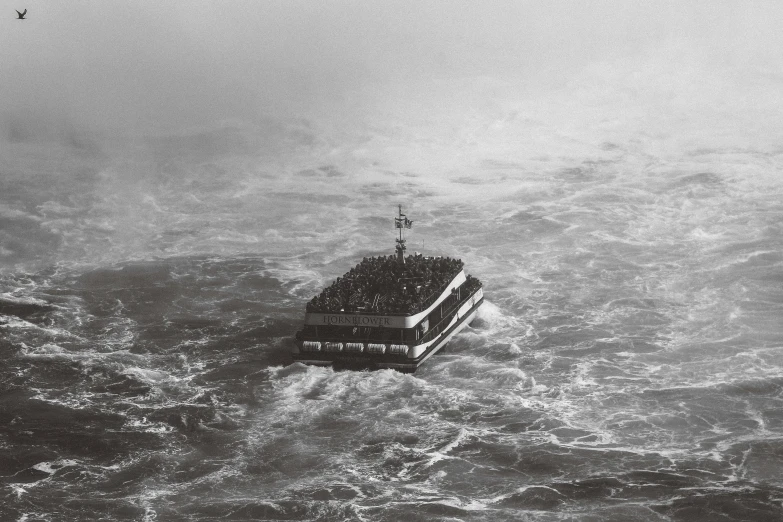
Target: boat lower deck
x=403 y=360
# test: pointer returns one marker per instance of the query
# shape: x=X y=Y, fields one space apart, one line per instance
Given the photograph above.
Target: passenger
x=382 y=275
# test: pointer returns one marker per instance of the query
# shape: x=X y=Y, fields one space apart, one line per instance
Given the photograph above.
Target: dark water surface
x=628 y=363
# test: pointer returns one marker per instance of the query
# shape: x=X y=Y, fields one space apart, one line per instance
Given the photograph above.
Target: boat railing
x=446 y=317
x=432 y=332
x=415 y=309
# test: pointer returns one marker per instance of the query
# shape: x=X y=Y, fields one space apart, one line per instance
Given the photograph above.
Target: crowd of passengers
x=402 y=288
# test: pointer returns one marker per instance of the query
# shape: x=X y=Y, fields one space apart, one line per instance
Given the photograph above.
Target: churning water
x=627 y=365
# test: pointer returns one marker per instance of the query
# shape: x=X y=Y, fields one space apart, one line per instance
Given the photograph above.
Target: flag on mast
x=402 y=222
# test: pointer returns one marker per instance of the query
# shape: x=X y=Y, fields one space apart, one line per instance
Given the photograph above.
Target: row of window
x=428 y=327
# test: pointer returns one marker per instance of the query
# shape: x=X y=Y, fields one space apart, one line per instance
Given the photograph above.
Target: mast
x=401 y=222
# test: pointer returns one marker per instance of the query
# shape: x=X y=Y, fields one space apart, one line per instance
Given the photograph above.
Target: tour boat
x=391 y=311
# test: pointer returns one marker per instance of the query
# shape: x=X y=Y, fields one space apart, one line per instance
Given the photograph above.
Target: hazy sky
x=150 y=64
x=418 y=92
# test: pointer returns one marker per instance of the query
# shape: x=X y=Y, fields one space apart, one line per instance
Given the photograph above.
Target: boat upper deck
x=384 y=285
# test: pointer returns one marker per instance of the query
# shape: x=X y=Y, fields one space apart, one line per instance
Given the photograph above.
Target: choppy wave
x=626 y=364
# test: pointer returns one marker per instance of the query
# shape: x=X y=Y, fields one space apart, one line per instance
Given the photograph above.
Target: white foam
x=443 y=452
x=16 y=299
x=18 y=490
x=54 y=466
x=48 y=351
x=150 y=376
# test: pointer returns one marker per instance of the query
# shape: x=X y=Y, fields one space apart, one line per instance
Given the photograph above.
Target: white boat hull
x=399 y=357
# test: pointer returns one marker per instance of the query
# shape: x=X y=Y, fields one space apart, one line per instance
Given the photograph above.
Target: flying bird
x=20 y=16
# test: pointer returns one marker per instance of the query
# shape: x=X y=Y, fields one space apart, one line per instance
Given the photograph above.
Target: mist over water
x=618 y=192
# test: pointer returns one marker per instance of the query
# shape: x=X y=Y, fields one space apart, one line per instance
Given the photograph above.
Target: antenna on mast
x=401 y=222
